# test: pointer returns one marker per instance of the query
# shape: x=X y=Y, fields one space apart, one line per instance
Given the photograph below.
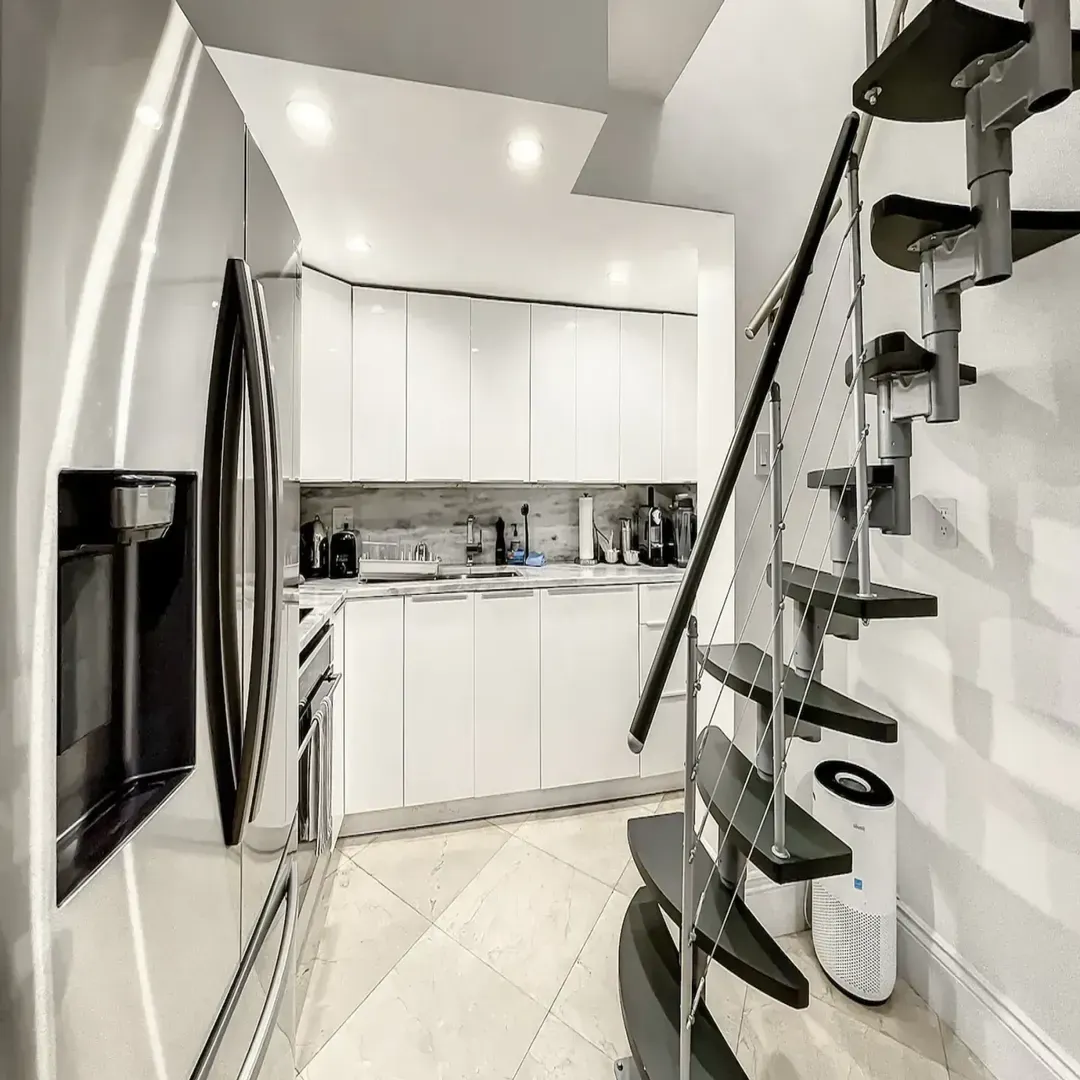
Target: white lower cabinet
x=665 y=747
x=588 y=683
x=373 y=724
x=438 y=698
x=337 y=758
x=507 y=689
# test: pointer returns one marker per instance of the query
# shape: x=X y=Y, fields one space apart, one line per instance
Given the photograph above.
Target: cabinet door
x=507 y=688
x=374 y=714
x=554 y=394
x=326 y=379
x=437 y=387
x=680 y=399
x=438 y=698
x=337 y=778
x=641 y=387
x=378 y=394
x=588 y=683
x=665 y=746
x=500 y=390
x=598 y=396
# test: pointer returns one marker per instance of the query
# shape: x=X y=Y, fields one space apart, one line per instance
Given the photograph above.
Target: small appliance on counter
x=314 y=549
x=684 y=528
x=343 y=554
x=500 y=542
x=651 y=532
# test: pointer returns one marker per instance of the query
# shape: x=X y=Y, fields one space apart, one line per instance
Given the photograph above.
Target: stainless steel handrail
x=772 y=297
x=709 y=527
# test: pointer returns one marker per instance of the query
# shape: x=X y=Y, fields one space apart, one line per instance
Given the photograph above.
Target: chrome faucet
x=474 y=540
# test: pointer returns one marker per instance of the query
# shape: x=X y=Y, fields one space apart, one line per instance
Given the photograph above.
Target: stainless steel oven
x=315 y=762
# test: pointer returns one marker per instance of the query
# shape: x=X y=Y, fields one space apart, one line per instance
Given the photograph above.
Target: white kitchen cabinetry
x=665 y=747
x=588 y=683
x=373 y=721
x=326 y=379
x=437 y=381
x=507 y=689
x=337 y=754
x=680 y=399
x=598 y=364
x=553 y=454
x=500 y=390
x=438 y=698
x=378 y=384
x=641 y=388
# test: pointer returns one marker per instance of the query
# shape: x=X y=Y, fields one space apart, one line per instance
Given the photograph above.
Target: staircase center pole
x=776 y=490
x=686 y=936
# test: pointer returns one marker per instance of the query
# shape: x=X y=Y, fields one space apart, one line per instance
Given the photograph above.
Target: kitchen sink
x=479 y=575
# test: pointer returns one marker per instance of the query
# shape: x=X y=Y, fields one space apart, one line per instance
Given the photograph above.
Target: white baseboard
x=1012 y=1046
x=779 y=908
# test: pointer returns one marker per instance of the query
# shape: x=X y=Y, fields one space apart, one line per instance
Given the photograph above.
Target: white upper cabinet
x=641 y=388
x=378 y=385
x=326 y=379
x=437 y=439
x=554 y=394
x=680 y=398
x=500 y=390
x=597 y=396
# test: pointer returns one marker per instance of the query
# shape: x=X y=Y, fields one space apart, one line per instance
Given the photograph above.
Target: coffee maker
x=651 y=532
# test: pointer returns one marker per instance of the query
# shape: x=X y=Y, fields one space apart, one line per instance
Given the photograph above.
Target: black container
x=500 y=542
x=314 y=550
x=343 y=554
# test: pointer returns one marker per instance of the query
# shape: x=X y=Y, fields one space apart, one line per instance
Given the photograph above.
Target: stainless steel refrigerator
x=149 y=317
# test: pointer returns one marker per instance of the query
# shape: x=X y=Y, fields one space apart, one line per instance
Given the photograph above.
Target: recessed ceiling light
x=149 y=117
x=358 y=245
x=475 y=348
x=309 y=120
x=377 y=309
x=524 y=151
x=571 y=325
x=618 y=273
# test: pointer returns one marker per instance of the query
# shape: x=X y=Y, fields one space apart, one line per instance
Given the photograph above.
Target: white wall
x=988 y=761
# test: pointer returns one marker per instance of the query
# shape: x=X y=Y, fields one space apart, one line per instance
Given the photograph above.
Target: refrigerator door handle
x=267 y=572
x=221 y=459
x=285 y=890
x=275 y=577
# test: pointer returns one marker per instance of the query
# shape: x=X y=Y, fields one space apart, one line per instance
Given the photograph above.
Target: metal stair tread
x=813 y=851
x=649 y=998
x=843 y=476
x=898 y=222
x=895 y=355
x=913 y=76
x=746 y=948
x=748 y=671
x=817 y=588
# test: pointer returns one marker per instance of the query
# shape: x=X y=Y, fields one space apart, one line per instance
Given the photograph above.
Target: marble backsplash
x=410 y=513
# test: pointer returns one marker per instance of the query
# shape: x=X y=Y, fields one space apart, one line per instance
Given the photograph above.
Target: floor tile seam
x=577 y=869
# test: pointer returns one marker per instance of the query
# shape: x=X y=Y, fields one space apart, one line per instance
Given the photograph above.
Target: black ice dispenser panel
x=125 y=724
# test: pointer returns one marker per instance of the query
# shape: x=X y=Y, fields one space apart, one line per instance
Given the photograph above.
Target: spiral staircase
x=951 y=62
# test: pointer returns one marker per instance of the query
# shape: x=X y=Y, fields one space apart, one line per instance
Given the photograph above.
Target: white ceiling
x=421 y=172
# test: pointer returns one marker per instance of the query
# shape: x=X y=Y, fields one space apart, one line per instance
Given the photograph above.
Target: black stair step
x=649 y=996
x=912 y=79
x=748 y=671
x=896 y=355
x=898 y=222
x=813 y=851
x=817 y=588
x=877 y=476
x=746 y=948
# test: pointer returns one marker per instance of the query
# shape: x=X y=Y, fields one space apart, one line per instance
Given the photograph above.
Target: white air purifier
x=854 y=915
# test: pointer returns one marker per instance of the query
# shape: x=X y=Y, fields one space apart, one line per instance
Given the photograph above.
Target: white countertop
x=325 y=596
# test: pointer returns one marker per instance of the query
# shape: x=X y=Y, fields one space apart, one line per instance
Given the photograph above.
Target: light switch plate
x=342 y=516
x=762 y=459
x=945 y=534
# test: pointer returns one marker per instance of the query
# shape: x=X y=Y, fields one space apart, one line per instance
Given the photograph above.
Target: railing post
x=858 y=389
x=776 y=447
x=686 y=937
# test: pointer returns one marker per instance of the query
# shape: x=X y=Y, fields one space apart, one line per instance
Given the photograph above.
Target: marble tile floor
x=488 y=951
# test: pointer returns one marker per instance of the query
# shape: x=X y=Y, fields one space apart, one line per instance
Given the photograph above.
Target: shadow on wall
x=989 y=753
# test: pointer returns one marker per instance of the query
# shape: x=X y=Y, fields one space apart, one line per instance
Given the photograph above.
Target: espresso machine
x=650 y=532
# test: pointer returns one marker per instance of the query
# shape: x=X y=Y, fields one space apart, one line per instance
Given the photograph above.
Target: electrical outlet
x=762 y=454
x=945 y=533
x=342 y=516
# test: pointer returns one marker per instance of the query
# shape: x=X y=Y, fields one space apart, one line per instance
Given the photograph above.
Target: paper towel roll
x=586 y=543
